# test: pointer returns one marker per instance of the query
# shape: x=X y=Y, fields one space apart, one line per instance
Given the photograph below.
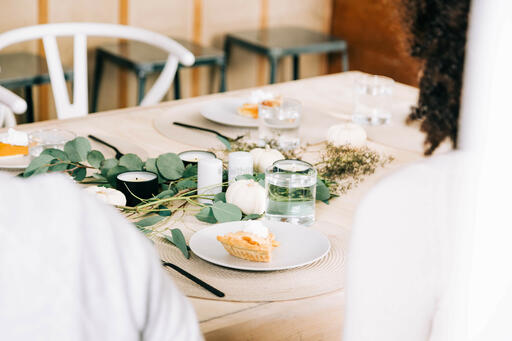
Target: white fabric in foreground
x=72 y=268
x=400 y=279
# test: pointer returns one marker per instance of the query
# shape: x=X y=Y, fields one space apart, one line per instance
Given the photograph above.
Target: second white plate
x=299 y=246
x=224 y=111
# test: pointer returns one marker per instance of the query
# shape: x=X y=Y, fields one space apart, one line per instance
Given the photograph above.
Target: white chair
x=80 y=31
x=10 y=103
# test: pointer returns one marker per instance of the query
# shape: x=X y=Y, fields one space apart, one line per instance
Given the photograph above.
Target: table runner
x=320 y=277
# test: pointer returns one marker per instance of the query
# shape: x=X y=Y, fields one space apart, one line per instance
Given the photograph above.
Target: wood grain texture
x=375 y=37
x=44 y=90
x=197 y=37
x=122 y=94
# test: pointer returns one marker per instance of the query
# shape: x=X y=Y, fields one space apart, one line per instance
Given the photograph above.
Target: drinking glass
x=280 y=121
x=48 y=138
x=372 y=100
x=290 y=187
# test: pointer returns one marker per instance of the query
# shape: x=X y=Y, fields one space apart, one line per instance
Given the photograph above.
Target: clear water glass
x=49 y=138
x=290 y=187
x=372 y=96
x=280 y=122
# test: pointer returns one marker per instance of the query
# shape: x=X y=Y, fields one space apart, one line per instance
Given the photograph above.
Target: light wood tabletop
x=316 y=318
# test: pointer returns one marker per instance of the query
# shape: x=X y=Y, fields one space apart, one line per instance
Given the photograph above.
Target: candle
x=209 y=177
x=135 y=185
x=239 y=163
x=193 y=156
x=292 y=166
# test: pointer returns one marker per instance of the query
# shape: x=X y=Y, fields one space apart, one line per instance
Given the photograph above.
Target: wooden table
x=317 y=318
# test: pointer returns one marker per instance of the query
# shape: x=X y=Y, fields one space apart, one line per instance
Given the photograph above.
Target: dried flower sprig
x=343 y=167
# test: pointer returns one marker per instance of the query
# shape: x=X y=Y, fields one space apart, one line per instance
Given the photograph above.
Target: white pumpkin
x=108 y=195
x=248 y=195
x=346 y=133
x=264 y=158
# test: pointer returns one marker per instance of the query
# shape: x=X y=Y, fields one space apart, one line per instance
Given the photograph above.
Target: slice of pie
x=14 y=143
x=249 y=246
x=12 y=150
x=249 y=110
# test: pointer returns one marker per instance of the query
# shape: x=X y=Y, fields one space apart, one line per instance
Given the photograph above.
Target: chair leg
x=98 y=71
x=177 y=85
x=273 y=68
x=295 y=67
x=141 y=87
x=30 y=104
x=344 y=60
x=222 y=68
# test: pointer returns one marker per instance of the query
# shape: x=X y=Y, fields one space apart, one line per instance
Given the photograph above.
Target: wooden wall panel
x=375 y=38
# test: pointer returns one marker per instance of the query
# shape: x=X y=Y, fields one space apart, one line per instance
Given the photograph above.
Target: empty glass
x=372 y=96
x=280 y=121
x=49 y=138
x=291 y=191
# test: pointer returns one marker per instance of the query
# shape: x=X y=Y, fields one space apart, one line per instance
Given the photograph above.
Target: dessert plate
x=299 y=246
x=224 y=111
x=15 y=161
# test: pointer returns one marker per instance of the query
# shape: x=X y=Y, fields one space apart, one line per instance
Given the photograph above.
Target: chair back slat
x=80 y=31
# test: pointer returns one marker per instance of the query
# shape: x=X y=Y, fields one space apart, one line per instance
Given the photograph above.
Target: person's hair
x=437 y=37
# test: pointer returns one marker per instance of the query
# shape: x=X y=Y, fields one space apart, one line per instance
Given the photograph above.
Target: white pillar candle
x=209 y=174
x=239 y=163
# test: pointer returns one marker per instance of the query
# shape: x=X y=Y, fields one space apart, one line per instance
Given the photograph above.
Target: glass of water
x=48 y=138
x=280 y=120
x=291 y=191
x=373 y=96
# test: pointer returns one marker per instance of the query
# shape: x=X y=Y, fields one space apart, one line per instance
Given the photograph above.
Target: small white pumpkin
x=264 y=158
x=108 y=195
x=346 y=133
x=248 y=195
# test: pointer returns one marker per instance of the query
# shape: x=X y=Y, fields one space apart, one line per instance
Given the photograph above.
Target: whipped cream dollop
x=259 y=96
x=256 y=227
x=15 y=138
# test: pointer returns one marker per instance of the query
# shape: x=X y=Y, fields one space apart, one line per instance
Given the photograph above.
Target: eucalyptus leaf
x=322 y=191
x=220 y=197
x=99 y=177
x=225 y=142
x=77 y=149
x=150 y=166
x=58 y=166
x=78 y=173
x=206 y=215
x=190 y=170
x=166 y=194
x=114 y=172
x=252 y=217
x=165 y=211
x=244 y=177
x=43 y=161
x=224 y=212
x=107 y=165
x=149 y=221
x=178 y=240
x=95 y=158
x=170 y=166
x=185 y=184
x=56 y=153
x=131 y=161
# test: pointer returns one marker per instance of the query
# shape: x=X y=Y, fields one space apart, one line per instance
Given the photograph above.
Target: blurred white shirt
x=72 y=268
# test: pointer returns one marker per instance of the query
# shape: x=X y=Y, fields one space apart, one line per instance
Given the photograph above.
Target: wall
x=375 y=38
x=202 y=21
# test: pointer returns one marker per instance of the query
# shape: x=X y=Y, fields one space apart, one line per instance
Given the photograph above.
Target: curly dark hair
x=437 y=36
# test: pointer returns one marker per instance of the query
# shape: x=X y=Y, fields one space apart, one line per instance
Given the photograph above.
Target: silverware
x=193 y=278
x=118 y=153
x=208 y=130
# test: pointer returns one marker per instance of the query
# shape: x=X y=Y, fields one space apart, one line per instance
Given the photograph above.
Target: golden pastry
x=255 y=243
x=249 y=110
x=11 y=150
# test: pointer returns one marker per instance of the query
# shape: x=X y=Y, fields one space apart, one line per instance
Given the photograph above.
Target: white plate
x=299 y=246
x=15 y=161
x=224 y=111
